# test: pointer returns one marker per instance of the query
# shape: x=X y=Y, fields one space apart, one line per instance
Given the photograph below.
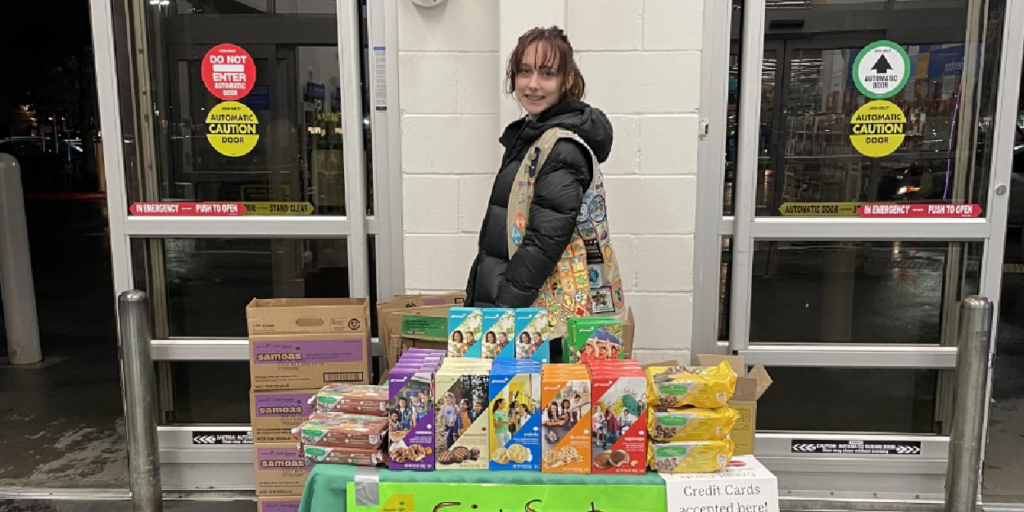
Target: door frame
x=185 y=465
x=824 y=477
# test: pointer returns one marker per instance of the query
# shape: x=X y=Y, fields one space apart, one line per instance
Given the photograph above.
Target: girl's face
x=464 y=407
x=588 y=349
x=470 y=337
x=538 y=85
x=536 y=337
x=565 y=403
x=502 y=337
x=449 y=400
x=524 y=338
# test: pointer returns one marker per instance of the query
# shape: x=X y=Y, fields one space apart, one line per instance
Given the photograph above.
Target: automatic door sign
x=232 y=437
x=881 y=69
x=231 y=128
x=228 y=72
x=877 y=128
x=854 y=447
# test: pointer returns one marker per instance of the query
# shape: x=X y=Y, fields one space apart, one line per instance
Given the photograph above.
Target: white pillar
x=19 y=294
x=515 y=18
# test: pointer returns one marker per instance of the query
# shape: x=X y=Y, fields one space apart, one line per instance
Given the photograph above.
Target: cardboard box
x=750 y=386
x=308 y=361
x=268 y=317
x=399 y=302
x=566 y=421
x=420 y=327
x=278 y=504
x=281 y=469
x=306 y=343
x=275 y=413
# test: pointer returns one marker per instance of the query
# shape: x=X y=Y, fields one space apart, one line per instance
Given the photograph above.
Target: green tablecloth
x=326 y=487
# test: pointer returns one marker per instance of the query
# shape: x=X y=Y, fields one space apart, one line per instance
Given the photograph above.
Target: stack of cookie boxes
x=690 y=422
x=348 y=427
x=515 y=415
x=297 y=346
x=411 y=410
x=619 y=417
x=499 y=333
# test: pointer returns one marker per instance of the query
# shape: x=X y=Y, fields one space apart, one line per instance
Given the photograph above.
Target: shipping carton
x=533 y=335
x=307 y=316
x=400 y=302
x=514 y=390
x=278 y=504
x=281 y=469
x=302 y=344
x=462 y=417
x=276 y=413
x=420 y=327
x=566 y=421
x=750 y=386
x=308 y=361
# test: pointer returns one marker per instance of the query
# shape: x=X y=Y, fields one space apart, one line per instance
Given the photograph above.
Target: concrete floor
x=61 y=422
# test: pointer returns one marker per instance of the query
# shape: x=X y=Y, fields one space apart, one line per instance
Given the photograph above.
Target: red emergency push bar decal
x=188 y=209
x=944 y=211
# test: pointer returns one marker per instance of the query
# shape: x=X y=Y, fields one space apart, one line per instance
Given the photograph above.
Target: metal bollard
x=16 y=283
x=972 y=370
x=137 y=372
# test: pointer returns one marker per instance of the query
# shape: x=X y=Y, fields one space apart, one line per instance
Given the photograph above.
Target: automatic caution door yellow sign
x=877 y=128
x=231 y=128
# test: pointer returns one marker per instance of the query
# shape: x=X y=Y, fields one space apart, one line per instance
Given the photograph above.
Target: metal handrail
x=963 y=473
x=136 y=336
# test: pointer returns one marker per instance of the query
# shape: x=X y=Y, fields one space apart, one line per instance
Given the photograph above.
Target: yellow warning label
x=278 y=208
x=819 y=209
x=877 y=128
x=231 y=128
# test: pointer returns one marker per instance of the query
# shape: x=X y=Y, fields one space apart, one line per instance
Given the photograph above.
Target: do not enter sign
x=228 y=72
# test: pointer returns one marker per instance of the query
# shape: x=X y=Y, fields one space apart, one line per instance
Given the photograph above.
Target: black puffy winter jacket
x=494 y=279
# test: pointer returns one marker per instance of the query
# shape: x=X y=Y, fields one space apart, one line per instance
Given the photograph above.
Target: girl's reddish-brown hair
x=558 y=56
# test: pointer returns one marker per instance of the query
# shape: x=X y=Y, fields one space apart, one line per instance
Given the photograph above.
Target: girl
x=523 y=347
x=598 y=426
x=464 y=418
x=499 y=419
x=490 y=345
x=544 y=79
x=513 y=417
x=450 y=414
x=613 y=427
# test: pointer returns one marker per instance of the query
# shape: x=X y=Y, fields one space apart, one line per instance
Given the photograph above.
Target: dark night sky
x=46 y=57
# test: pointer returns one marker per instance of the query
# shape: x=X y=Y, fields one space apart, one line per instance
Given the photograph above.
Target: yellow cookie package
x=689 y=456
x=691 y=424
x=705 y=387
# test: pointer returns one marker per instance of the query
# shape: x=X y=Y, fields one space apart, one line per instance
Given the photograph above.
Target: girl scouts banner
x=432 y=497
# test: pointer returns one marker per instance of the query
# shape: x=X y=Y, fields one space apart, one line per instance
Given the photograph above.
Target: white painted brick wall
x=641 y=59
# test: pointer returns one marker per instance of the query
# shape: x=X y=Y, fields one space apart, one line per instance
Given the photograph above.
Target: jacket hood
x=588 y=122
